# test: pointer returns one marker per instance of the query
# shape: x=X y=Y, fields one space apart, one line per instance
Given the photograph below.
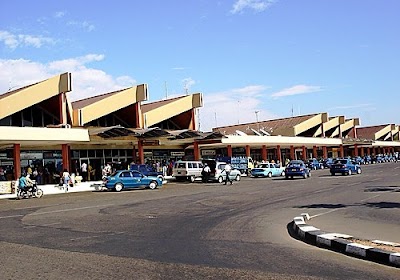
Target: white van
x=187 y=170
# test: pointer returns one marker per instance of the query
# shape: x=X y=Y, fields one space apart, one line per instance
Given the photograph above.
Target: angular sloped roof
x=89 y=109
x=19 y=99
x=157 y=112
x=274 y=127
x=374 y=132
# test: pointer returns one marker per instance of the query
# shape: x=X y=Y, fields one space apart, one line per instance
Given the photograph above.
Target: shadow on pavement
x=323 y=205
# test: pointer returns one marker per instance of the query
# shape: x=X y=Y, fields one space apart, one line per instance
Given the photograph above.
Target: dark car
x=345 y=166
x=359 y=160
x=297 y=168
x=314 y=164
x=146 y=169
x=327 y=162
x=131 y=179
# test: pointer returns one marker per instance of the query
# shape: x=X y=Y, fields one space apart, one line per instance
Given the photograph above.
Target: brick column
x=324 y=152
x=17 y=161
x=292 y=156
x=247 y=150
x=314 y=150
x=278 y=153
x=356 y=150
x=304 y=153
x=65 y=156
x=196 y=150
x=362 y=152
x=341 y=150
x=264 y=152
x=229 y=150
x=141 y=151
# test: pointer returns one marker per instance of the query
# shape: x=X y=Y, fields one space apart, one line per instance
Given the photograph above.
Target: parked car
x=359 y=160
x=187 y=170
x=367 y=159
x=268 y=170
x=297 y=168
x=217 y=171
x=314 y=164
x=131 y=179
x=146 y=169
x=327 y=162
x=345 y=166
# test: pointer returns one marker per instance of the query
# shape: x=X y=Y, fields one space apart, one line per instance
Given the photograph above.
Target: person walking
x=227 y=170
x=66 y=177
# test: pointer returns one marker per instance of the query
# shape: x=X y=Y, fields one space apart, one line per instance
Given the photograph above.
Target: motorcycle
x=32 y=191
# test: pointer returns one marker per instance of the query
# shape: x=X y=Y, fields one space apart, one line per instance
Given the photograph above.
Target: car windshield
x=295 y=164
x=113 y=174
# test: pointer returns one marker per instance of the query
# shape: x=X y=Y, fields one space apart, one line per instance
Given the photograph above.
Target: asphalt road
x=200 y=231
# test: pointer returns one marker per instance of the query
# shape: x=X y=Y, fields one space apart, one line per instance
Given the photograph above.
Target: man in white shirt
x=227 y=171
x=84 y=171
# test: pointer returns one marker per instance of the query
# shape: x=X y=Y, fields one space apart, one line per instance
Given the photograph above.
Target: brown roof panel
x=368 y=132
x=153 y=105
x=90 y=100
x=269 y=126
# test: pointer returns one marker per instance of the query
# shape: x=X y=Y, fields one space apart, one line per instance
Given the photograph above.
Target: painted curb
x=338 y=242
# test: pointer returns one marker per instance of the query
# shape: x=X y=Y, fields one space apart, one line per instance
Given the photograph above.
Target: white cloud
x=295 y=90
x=86 y=82
x=13 y=41
x=232 y=107
x=256 y=5
x=188 y=83
x=59 y=14
x=82 y=24
x=366 y=106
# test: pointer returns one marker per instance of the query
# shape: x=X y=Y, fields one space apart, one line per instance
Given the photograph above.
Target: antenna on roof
x=292 y=110
x=166 y=90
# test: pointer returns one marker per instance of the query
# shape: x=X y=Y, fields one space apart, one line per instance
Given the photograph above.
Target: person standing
x=206 y=173
x=84 y=171
x=228 y=170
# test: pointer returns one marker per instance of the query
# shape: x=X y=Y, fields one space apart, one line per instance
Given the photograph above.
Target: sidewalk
x=55 y=189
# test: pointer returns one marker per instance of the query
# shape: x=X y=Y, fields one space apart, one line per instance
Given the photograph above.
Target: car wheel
x=322 y=167
x=283 y=173
x=309 y=174
x=359 y=171
x=220 y=179
x=191 y=179
x=305 y=176
x=269 y=175
x=332 y=173
x=118 y=187
x=349 y=173
x=238 y=177
x=286 y=177
x=153 y=185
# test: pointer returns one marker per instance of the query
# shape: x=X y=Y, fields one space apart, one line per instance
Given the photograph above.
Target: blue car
x=267 y=170
x=146 y=169
x=345 y=166
x=314 y=164
x=131 y=179
x=297 y=168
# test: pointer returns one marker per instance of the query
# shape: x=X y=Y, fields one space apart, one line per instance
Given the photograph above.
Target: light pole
x=258 y=125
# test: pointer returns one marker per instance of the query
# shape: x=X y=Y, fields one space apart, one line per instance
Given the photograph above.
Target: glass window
x=114 y=153
x=16 y=119
x=136 y=174
x=126 y=174
x=83 y=153
x=6 y=121
x=107 y=153
x=92 y=153
x=99 y=153
x=37 y=117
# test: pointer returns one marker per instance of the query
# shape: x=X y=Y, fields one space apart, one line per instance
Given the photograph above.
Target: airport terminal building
x=40 y=127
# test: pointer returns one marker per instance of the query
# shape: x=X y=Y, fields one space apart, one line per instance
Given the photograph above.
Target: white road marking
x=330 y=211
x=56 y=211
x=370 y=197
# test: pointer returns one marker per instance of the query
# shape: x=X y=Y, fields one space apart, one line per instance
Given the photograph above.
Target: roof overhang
x=386 y=144
x=332 y=124
x=385 y=132
x=38 y=136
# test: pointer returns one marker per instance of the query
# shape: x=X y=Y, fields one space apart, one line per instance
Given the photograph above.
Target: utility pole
x=166 y=90
x=258 y=124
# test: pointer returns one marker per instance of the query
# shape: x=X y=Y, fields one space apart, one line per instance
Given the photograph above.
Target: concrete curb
x=337 y=242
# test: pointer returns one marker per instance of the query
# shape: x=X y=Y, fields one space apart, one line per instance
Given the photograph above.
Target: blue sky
x=279 y=58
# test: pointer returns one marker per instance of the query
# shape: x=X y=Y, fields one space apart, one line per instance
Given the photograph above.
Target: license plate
x=293 y=169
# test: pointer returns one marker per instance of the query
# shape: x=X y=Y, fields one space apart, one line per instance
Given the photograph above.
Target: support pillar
x=315 y=153
x=304 y=153
x=324 y=152
x=141 y=151
x=369 y=151
x=356 y=150
x=264 y=152
x=341 y=150
x=374 y=151
x=292 y=157
x=65 y=156
x=362 y=152
x=247 y=150
x=278 y=154
x=17 y=161
x=134 y=157
x=229 y=150
x=196 y=150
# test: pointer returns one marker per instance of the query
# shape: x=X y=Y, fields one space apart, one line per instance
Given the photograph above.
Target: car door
x=126 y=178
x=137 y=179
